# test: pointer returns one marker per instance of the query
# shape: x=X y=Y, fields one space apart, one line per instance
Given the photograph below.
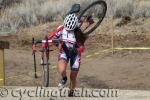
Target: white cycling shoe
x=62 y=83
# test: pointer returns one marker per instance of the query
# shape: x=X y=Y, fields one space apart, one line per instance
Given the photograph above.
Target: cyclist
x=71 y=47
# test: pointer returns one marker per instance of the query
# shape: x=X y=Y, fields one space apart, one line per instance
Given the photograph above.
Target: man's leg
x=75 y=65
x=73 y=77
x=62 y=64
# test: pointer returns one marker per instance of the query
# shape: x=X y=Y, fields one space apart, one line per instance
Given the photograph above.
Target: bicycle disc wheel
x=45 y=68
x=92 y=16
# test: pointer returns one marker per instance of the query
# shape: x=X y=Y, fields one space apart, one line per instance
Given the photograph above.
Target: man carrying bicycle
x=70 y=50
x=70 y=39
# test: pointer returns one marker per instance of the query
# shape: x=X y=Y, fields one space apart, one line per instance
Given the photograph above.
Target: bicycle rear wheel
x=45 y=64
x=92 y=16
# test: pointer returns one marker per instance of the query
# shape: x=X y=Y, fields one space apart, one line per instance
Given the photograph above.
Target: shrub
x=142 y=9
x=25 y=13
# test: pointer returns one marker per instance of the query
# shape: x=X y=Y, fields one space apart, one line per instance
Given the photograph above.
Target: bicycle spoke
x=92 y=16
x=45 y=69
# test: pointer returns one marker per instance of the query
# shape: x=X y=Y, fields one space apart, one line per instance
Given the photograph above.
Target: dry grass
x=133 y=8
x=118 y=8
x=142 y=9
x=34 y=12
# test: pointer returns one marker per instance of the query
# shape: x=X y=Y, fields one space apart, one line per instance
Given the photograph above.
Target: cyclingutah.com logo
x=22 y=93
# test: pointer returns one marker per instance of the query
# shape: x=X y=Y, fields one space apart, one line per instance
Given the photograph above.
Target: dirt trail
x=126 y=70
x=122 y=70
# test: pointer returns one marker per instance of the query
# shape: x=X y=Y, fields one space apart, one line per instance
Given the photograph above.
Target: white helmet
x=70 y=22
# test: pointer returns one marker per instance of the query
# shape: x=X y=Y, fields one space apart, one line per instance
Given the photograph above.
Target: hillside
x=128 y=21
x=17 y=14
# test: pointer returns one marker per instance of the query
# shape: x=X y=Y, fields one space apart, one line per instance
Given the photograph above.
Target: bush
x=142 y=9
x=7 y=3
x=32 y=12
x=119 y=8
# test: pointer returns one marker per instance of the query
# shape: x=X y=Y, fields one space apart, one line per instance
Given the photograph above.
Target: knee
x=73 y=75
x=62 y=65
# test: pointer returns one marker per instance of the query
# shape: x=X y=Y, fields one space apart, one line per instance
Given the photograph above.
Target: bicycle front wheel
x=45 y=64
x=92 y=16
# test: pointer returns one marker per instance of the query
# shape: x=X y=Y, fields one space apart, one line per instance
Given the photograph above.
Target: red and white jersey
x=67 y=37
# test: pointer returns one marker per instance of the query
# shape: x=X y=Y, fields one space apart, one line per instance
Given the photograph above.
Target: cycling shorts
x=74 y=60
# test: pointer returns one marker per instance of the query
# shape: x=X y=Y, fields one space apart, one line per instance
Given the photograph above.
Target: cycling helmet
x=70 y=22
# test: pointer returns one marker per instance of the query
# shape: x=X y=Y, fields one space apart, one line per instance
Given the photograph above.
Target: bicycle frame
x=33 y=43
x=45 y=44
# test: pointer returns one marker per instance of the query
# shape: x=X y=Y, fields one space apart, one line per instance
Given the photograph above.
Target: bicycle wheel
x=92 y=16
x=45 y=67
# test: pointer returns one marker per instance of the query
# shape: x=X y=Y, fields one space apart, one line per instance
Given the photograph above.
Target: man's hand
x=55 y=42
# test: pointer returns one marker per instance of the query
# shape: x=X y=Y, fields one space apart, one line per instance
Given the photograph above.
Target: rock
x=122 y=21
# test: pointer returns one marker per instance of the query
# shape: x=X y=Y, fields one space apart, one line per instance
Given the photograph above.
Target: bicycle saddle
x=74 y=9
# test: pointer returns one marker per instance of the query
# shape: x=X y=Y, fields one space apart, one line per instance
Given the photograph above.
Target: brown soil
x=125 y=70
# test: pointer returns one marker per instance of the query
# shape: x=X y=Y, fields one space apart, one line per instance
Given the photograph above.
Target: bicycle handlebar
x=50 y=41
x=39 y=41
x=44 y=41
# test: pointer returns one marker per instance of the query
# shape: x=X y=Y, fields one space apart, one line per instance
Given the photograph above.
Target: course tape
x=1 y=79
x=116 y=49
x=90 y=55
x=134 y=48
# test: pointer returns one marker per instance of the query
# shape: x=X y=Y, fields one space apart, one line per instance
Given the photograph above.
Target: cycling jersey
x=68 y=38
x=68 y=42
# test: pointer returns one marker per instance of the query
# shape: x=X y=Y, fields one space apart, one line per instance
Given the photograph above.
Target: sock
x=65 y=78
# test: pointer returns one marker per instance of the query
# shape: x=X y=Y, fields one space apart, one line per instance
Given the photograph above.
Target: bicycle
x=89 y=19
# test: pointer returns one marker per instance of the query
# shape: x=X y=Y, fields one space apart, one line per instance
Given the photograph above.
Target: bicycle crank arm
x=46 y=64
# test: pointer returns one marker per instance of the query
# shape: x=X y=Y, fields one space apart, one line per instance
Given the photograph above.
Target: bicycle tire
x=100 y=2
x=46 y=68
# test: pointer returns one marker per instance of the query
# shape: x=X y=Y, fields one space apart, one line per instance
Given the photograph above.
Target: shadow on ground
x=92 y=82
